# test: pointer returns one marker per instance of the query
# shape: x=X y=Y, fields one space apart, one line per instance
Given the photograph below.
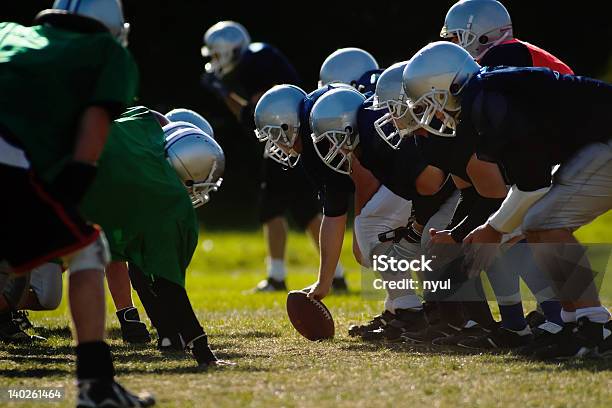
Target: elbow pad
x=512 y=211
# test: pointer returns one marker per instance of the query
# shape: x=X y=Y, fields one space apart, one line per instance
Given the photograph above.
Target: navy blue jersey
x=260 y=68
x=334 y=188
x=529 y=119
x=450 y=154
x=395 y=169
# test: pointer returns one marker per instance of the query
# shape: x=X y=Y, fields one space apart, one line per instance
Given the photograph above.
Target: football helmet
x=190 y=116
x=107 y=12
x=333 y=121
x=389 y=95
x=197 y=159
x=224 y=44
x=432 y=81
x=346 y=65
x=477 y=25
x=277 y=122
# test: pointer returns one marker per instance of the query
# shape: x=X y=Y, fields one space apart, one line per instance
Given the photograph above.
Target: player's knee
x=94 y=256
x=50 y=298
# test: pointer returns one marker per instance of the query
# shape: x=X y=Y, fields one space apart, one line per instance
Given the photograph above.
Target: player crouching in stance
x=76 y=77
x=510 y=117
x=159 y=177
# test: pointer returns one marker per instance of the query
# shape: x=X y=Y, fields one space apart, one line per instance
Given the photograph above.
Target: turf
x=276 y=367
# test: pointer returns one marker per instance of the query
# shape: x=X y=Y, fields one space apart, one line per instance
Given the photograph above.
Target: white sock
x=389 y=304
x=597 y=314
x=276 y=268
x=568 y=317
x=339 y=273
x=408 y=302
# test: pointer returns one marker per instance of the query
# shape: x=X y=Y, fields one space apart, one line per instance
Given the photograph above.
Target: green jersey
x=140 y=202
x=49 y=76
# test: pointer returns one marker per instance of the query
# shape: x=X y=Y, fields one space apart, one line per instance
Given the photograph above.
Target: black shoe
x=339 y=285
x=499 y=338
x=431 y=333
x=574 y=341
x=109 y=394
x=377 y=322
x=405 y=320
x=604 y=349
x=270 y=285
x=535 y=318
x=470 y=330
x=10 y=332
x=170 y=343
x=544 y=335
x=21 y=318
x=132 y=329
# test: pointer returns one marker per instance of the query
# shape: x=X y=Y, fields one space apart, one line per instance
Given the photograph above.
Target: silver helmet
x=477 y=25
x=190 y=116
x=346 y=65
x=197 y=159
x=335 y=134
x=397 y=122
x=277 y=122
x=224 y=44
x=432 y=80
x=107 y=12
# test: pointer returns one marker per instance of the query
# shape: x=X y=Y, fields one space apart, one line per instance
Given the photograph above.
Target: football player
x=239 y=72
x=351 y=66
x=159 y=178
x=532 y=132
x=74 y=74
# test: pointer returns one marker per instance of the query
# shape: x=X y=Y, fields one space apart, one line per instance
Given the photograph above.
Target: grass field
x=277 y=367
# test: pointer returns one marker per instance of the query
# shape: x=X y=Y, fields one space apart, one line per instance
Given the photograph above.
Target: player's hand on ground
x=319 y=290
x=441 y=237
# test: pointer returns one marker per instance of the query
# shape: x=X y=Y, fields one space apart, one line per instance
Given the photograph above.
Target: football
x=309 y=317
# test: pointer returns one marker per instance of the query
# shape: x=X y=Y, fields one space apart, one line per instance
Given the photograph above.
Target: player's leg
x=118 y=280
x=581 y=191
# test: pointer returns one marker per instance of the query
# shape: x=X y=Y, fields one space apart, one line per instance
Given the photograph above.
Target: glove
x=211 y=82
x=73 y=181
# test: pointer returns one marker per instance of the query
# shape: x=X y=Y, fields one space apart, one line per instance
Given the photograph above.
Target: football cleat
x=470 y=330
x=109 y=394
x=377 y=322
x=270 y=285
x=430 y=333
x=10 y=332
x=21 y=318
x=405 y=320
x=170 y=343
x=132 y=329
x=339 y=284
x=535 y=318
x=544 y=335
x=604 y=349
x=499 y=338
x=574 y=341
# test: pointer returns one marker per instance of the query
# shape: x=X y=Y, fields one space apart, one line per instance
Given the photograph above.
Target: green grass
x=277 y=367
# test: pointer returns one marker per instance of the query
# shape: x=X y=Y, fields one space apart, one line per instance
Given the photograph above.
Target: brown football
x=309 y=317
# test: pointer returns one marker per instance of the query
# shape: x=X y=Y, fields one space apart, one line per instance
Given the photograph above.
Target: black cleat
x=377 y=322
x=604 y=349
x=270 y=285
x=430 y=333
x=499 y=338
x=574 y=341
x=109 y=394
x=132 y=329
x=10 y=332
x=544 y=335
x=470 y=330
x=535 y=318
x=21 y=317
x=339 y=285
x=405 y=320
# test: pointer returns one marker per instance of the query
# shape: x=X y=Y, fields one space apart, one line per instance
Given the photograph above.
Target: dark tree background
x=166 y=38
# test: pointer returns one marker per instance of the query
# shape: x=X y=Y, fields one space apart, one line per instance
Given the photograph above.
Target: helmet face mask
x=279 y=145
x=431 y=107
x=335 y=148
